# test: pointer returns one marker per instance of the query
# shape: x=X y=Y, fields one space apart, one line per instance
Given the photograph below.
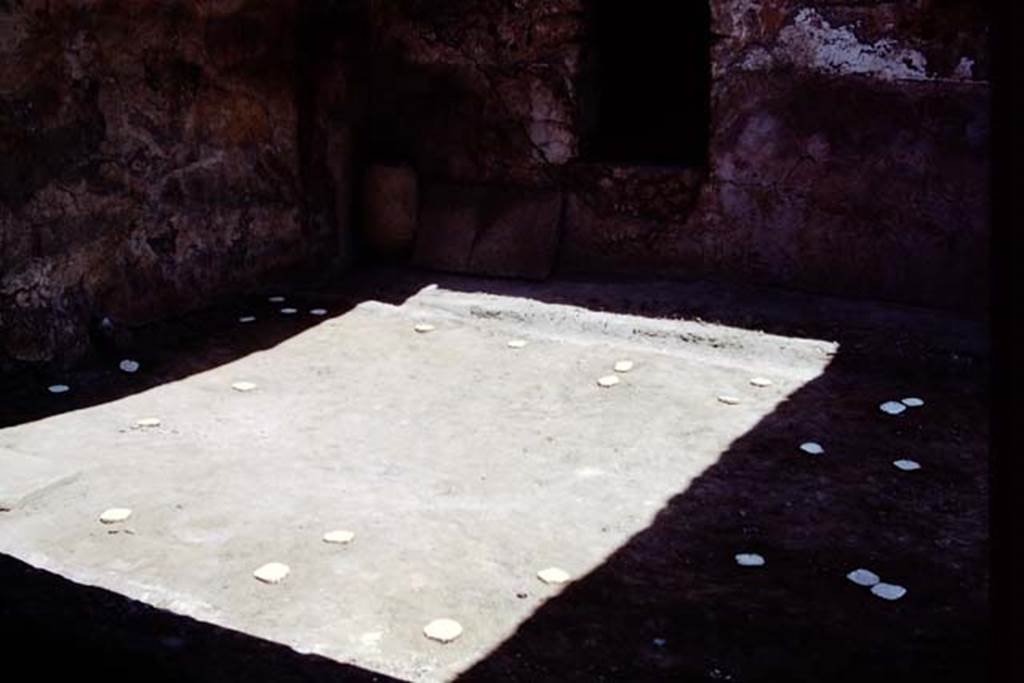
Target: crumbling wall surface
x=480 y=97
x=476 y=91
x=849 y=149
x=847 y=146
x=148 y=162
x=848 y=154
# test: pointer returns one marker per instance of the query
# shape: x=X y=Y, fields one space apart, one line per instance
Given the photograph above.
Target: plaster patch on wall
x=756 y=59
x=812 y=42
x=549 y=128
x=965 y=69
x=552 y=139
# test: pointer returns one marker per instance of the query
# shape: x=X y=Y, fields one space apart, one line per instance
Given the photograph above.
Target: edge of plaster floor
x=465 y=466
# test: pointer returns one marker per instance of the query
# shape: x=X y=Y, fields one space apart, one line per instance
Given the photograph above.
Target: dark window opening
x=646 y=89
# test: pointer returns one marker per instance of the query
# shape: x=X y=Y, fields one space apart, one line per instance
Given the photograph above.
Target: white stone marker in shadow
x=128 y=365
x=888 y=591
x=812 y=447
x=907 y=465
x=863 y=577
x=892 y=407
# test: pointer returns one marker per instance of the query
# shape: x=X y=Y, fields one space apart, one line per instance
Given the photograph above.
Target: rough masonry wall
x=849 y=148
x=848 y=145
x=149 y=162
x=156 y=155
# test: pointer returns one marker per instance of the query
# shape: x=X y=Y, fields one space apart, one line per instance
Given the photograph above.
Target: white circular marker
x=749 y=560
x=115 y=515
x=129 y=365
x=892 y=407
x=912 y=402
x=275 y=299
x=243 y=386
x=623 y=366
x=863 y=577
x=728 y=400
x=608 y=381
x=443 y=630
x=147 y=422
x=888 y=591
x=272 y=572
x=516 y=343
x=318 y=311
x=339 y=536
x=760 y=381
x=812 y=447
x=289 y=311
x=907 y=465
x=424 y=327
x=58 y=388
x=553 y=575
x=247 y=319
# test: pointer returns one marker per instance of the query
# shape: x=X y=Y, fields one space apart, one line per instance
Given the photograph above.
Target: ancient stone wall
x=847 y=146
x=156 y=155
x=150 y=161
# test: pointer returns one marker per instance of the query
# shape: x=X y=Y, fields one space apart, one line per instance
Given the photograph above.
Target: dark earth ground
x=926 y=530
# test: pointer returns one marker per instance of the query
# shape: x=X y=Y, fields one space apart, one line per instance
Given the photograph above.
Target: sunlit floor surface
x=464 y=466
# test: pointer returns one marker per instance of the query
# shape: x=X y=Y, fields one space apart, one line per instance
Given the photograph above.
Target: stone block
x=502 y=231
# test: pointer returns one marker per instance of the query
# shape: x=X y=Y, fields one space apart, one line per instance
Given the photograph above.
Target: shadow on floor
x=671 y=604
x=60 y=630
x=180 y=347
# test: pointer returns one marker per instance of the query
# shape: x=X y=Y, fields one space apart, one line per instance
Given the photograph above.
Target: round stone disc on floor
x=247 y=319
x=443 y=630
x=272 y=572
x=728 y=400
x=147 y=422
x=243 y=386
x=760 y=381
x=863 y=577
x=812 y=447
x=424 y=327
x=339 y=536
x=128 y=365
x=749 y=560
x=912 y=402
x=888 y=591
x=318 y=311
x=115 y=515
x=608 y=381
x=58 y=388
x=623 y=366
x=516 y=343
x=907 y=465
x=892 y=407
x=553 y=575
